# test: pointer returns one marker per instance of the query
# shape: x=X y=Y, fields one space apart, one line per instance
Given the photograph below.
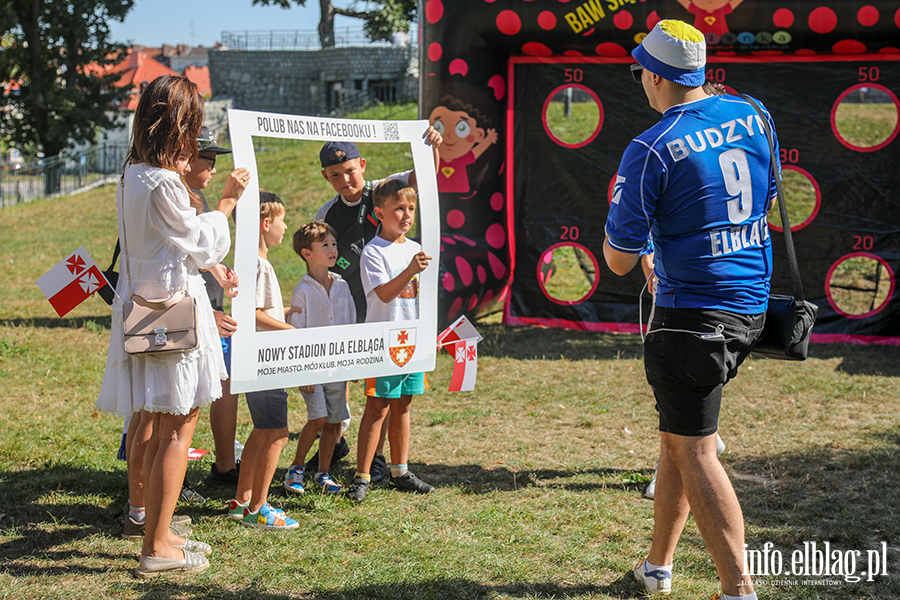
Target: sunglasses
x=204 y=143
x=637 y=71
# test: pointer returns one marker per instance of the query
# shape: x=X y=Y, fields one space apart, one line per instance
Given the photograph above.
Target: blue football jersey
x=699 y=183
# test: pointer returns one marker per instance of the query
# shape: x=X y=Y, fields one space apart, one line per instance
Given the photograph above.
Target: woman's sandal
x=201 y=548
x=150 y=566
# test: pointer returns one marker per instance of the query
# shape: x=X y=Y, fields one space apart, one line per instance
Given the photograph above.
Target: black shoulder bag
x=108 y=292
x=789 y=319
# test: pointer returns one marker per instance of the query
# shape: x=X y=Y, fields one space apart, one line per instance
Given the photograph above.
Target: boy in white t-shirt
x=321 y=299
x=269 y=408
x=390 y=268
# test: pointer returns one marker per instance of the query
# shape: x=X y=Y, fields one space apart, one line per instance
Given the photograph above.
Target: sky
x=201 y=22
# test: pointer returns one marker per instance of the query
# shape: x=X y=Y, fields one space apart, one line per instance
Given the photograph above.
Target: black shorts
x=268 y=408
x=688 y=371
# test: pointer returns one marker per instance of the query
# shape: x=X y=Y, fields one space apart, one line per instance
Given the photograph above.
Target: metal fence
x=306 y=39
x=63 y=174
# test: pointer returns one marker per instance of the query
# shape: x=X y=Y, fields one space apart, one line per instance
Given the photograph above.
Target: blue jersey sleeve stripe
x=621 y=247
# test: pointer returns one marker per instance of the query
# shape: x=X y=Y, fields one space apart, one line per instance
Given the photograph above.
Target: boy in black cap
x=351 y=214
x=222 y=412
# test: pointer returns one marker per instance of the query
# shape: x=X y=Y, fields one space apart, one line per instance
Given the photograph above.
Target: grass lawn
x=865 y=125
x=577 y=127
x=540 y=471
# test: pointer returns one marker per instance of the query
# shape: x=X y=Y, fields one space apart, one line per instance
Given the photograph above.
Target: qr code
x=391 y=132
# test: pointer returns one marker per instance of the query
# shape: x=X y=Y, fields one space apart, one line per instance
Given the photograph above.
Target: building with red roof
x=200 y=77
x=138 y=70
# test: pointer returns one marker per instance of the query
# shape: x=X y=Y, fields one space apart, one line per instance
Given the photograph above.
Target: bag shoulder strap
x=112 y=264
x=124 y=237
x=121 y=211
x=785 y=223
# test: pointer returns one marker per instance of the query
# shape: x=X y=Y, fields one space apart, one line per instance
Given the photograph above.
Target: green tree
x=58 y=53
x=381 y=18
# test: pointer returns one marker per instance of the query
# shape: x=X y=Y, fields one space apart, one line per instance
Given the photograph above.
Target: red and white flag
x=465 y=367
x=461 y=329
x=72 y=281
x=196 y=453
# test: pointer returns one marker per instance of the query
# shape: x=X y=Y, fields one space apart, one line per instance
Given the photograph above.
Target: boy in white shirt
x=269 y=408
x=390 y=268
x=321 y=299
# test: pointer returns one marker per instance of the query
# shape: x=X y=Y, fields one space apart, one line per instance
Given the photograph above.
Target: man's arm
x=619 y=262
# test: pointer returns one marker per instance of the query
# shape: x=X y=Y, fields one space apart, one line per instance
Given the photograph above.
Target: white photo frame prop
x=267 y=360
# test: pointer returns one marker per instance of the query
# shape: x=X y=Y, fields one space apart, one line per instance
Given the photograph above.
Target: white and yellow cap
x=675 y=51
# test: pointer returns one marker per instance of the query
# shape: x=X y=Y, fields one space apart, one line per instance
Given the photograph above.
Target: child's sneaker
x=341 y=449
x=328 y=485
x=293 y=481
x=379 y=469
x=654 y=582
x=358 y=489
x=268 y=517
x=236 y=510
x=410 y=483
x=227 y=479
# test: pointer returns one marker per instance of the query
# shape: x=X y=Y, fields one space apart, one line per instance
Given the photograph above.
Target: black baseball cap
x=334 y=153
x=207 y=143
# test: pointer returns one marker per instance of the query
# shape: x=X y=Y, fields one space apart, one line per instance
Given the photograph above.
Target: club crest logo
x=402 y=345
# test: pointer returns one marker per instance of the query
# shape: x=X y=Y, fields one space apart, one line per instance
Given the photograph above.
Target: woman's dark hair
x=167 y=122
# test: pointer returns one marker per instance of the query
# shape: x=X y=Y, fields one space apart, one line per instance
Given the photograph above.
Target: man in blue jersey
x=699 y=184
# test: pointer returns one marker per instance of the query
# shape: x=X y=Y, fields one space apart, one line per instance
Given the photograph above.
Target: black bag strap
x=785 y=224
x=115 y=257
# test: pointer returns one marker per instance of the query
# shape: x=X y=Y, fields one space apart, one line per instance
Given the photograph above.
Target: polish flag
x=465 y=368
x=69 y=283
x=461 y=329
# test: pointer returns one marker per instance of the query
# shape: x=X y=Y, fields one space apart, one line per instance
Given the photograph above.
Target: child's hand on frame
x=433 y=137
x=307 y=389
x=419 y=262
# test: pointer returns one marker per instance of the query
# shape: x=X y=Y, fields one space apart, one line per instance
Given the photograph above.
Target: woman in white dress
x=165 y=243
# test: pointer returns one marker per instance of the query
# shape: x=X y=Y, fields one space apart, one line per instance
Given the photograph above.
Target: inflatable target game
x=536 y=104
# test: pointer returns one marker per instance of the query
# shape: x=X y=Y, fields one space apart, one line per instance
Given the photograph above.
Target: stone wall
x=313 y=82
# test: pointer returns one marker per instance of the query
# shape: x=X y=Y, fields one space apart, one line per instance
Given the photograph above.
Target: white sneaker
x=720 y=445
x=655 y=582
x=651 y=489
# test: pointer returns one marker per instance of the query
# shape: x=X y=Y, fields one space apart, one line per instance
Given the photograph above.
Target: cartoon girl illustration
x=709 y=15
x=464 y=141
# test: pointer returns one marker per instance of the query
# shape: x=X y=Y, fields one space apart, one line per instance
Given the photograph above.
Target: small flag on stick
x=72 y=281
x=465 y=368
x=461 y=341
x=461 y=329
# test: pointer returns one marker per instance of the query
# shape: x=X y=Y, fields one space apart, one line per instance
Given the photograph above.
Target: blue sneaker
x=293 y=481
x=328 y=485
x=268 y=518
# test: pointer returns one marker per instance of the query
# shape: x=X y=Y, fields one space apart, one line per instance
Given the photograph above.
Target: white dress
x=167 y=242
